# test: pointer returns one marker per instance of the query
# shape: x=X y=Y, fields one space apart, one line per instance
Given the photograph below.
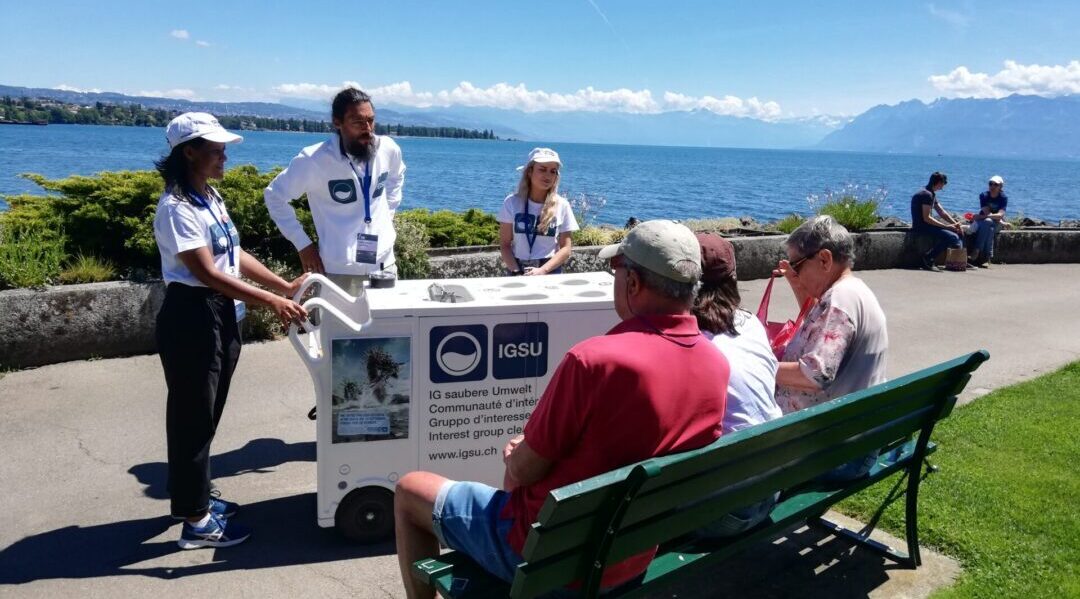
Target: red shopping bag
x=780 y=333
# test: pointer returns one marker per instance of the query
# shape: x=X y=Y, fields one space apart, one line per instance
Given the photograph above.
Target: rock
x=889 y=222
x=1069 y=224
x=1030 y=222
x=631 y=223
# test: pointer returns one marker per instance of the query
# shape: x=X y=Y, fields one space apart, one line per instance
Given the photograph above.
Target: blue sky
x=759 y=59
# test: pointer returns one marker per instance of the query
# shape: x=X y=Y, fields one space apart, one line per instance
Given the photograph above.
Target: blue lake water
x=642 y=181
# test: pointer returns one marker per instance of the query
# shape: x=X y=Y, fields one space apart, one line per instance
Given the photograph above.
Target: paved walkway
x=83 y=447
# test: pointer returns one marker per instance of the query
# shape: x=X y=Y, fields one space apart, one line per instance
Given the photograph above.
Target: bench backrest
x=645 y=504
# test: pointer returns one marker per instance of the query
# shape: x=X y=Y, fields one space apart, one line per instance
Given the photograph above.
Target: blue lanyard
x=224 y=224
x=530 y=228
x=365 y=187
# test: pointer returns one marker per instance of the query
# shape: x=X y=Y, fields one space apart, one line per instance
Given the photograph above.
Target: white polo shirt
x=180 y=225
x=525 y=216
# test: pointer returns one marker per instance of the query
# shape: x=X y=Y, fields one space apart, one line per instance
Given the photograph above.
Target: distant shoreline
x=43 y=111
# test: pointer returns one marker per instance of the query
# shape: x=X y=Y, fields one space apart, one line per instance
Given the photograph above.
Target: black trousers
x=199 y=343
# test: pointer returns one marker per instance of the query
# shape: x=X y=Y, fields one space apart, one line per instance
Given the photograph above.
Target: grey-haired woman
x=842 y=343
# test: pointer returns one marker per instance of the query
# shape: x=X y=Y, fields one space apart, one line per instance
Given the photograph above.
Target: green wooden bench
x=585 y=526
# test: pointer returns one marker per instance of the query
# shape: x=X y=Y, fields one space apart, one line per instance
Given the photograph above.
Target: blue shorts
x=466 y=519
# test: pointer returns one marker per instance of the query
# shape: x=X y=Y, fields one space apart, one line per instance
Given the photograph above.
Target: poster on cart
x=372 y=388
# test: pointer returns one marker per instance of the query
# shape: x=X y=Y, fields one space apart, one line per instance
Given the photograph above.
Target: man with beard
x=353 y=183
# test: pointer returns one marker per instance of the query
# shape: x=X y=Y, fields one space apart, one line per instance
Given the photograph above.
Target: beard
x=361 y=150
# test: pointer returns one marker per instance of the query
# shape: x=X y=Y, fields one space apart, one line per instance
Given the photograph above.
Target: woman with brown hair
x=535 y=221
x=743 y=341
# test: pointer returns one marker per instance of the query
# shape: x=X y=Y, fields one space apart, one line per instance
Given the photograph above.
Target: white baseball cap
x=190 y=125
x=541 y=155
x=997 y=179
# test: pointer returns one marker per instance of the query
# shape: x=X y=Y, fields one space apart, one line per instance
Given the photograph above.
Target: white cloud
x=952 y=17
x=1014 y=78
x=180 y=34
x=311 y=90
x=728 y=105
x=202 y=44
x=70 y=88
x=184 y=94
x=520 y=97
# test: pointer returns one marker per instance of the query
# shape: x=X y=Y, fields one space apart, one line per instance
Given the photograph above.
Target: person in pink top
x=653 y=385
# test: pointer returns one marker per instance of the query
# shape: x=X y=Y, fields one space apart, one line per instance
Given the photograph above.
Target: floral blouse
x=841 y=346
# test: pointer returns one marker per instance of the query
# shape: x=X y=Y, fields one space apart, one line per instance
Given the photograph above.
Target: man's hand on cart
x=310 y=259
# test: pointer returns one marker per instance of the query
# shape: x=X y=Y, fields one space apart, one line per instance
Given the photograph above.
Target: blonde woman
x=536 y=222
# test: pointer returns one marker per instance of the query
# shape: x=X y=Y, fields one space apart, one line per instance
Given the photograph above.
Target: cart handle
x=326 y=284
x=312 y=351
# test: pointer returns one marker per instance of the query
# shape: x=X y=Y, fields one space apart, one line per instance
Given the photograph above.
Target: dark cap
x=717 y=258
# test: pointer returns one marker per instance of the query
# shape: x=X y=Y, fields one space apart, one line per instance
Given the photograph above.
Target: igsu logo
x=524 y=349
x=458 y=353
x=520 y=350
x=342 y=191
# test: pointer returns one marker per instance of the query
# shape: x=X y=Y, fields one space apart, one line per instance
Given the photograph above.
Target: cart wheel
x=366 y=515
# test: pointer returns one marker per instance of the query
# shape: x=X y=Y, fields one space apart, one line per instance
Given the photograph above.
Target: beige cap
x=997 y=179
x=661 y=246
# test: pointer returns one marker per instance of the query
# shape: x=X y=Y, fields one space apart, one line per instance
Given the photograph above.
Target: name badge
x=241 y=310
x=367 y=248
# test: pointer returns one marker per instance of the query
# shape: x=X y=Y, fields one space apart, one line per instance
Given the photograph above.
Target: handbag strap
x=763 y=307
x=807 y=305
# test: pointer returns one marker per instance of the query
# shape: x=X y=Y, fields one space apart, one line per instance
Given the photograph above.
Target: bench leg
x=863 y=539
x=911 y=515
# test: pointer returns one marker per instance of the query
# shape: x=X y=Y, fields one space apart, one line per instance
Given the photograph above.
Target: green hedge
x=108 y=219
x=455 y=229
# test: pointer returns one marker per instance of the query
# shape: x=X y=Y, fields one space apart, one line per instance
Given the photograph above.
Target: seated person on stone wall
x=988 y=220
x=947 y=233
x=841 y=345
x=653 y=385
x=742 y=339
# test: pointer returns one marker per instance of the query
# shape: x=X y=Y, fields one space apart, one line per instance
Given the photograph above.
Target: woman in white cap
x=198 y=333
x=992 y=203
x=536 y=222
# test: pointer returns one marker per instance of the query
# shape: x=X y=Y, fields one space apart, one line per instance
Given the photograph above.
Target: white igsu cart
x=433 y=375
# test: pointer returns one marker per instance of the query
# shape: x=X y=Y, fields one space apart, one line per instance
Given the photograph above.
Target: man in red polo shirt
x=651 y=386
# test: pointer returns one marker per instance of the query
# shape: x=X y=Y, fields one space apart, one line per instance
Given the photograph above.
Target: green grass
x=87 y=269
x=593 y=235
x=30 y=255
x=1007 y=500
x=789 y=223
x=852 y=212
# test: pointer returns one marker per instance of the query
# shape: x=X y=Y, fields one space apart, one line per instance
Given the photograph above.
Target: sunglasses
x=995 y=185
x=796 y=265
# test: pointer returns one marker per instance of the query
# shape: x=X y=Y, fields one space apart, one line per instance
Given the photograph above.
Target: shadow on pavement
x=280 y=538
x=806 y=562
x=257 y=456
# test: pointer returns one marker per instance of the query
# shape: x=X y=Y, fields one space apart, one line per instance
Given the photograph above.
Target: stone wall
x=115 y=319
x=74 y=322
